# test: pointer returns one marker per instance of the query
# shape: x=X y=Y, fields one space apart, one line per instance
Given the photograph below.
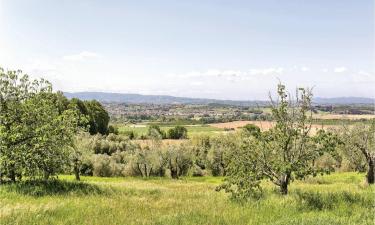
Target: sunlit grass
x=192 y=129
x=341 y=198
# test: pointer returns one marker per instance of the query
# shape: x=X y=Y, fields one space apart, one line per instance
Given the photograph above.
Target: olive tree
x=178 y=159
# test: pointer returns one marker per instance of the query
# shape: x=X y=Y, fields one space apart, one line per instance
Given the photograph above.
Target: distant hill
x=166 y=99
x=344 y=100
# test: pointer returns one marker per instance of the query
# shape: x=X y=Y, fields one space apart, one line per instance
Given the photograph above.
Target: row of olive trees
x=38 y=127
x=116 y=155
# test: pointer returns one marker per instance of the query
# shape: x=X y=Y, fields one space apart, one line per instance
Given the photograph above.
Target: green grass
x=340 y=198
x=192 y=129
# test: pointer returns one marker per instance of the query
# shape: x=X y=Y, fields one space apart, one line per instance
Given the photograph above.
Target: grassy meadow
x=340 y=198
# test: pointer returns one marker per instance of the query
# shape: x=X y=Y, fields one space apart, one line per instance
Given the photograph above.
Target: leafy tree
x=178 y=132
x=35 y=130
x=281 y=154
x=359 y=145
x=82 y=112
x=98 y=117
x=52 y=135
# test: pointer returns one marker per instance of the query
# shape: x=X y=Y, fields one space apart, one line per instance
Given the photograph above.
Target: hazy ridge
x=166 y=99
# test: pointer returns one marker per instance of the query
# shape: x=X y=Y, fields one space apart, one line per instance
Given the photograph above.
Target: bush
x=178 y=132
x=113 y=130
x=155 y=132
x=252 y=129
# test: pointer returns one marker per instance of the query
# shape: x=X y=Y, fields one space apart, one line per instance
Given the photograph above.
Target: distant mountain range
x=165 y=99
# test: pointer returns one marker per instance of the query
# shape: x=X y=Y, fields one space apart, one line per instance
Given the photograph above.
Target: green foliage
x=114 y=130
x=98 y=117
x=83 y=114
x=154 y=131
x=200 y=147
x=178 y=160
x=35 y=129
x=252 y=129
x=359 y=147
x=220 y=146
x=110 y=144
x=178 y=132
x=281 y=154
x=243 y=174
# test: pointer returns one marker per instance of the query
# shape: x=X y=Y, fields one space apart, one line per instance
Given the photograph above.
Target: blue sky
x=196 y=48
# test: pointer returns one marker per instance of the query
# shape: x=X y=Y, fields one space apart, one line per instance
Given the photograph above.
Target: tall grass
x=335 y=199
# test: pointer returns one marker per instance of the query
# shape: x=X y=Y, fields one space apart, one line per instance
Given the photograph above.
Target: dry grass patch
x=263 y=125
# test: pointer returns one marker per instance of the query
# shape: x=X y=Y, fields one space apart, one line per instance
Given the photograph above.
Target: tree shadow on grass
x=39 y=188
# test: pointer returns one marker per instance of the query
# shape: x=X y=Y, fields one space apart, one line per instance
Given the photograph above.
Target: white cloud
x=84 y=55
x=305 y=69
x=340 y=69
x=230 y=74
x=364 y=77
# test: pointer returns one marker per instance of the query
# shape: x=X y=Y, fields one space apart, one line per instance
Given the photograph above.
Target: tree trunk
x=174 y=173
x=145 y=169
x=76 y=173
x=284 y=182
x=12 y=174
x=371 y=171
x=46 y=175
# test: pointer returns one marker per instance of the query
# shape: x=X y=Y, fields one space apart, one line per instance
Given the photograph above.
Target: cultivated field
x=340 y=198
x=263 y=125
x=342 y=116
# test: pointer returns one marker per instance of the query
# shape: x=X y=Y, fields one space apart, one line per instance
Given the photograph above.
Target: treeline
x=189 y=120
x=153 y=130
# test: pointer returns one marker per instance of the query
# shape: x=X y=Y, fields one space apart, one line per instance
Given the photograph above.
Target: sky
x=233 y=49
